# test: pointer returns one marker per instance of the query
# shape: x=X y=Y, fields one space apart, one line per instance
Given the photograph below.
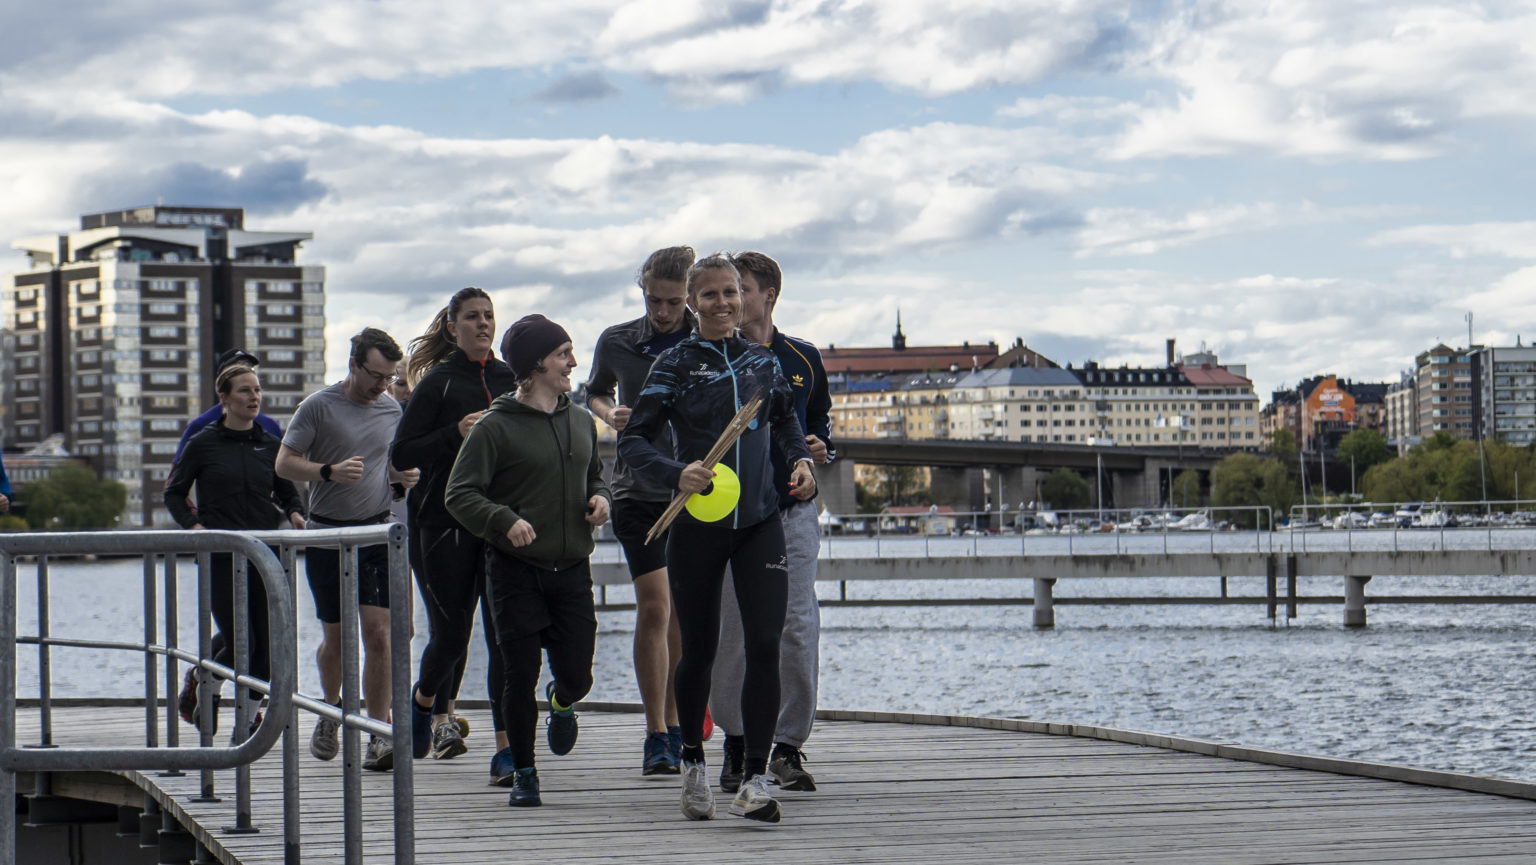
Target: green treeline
x=1441 y=468
x=70 y=498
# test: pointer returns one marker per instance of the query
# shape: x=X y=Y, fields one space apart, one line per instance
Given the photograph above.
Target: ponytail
x=429 y=349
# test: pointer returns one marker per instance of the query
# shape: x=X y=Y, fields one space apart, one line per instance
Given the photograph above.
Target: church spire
x=898 y=339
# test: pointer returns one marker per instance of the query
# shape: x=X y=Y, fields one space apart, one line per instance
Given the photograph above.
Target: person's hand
x=521 y=534
x=408 y=478
x=695 y=478
x=618 y=418
x=802 y=484
x=818 y=449
x=197 y=527
x=297 y=520
x=348 y=471
x=5 y=503
x=597 y=510
x=468 y=421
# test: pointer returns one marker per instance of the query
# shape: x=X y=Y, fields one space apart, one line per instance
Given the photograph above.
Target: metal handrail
x=284 y=699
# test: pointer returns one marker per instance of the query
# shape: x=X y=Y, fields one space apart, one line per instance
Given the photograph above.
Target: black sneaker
x=734 y=766
x=525 y=788
x=562 y=725
x=785 y=766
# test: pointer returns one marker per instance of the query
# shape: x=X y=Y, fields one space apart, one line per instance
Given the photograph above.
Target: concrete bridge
x=969 y=475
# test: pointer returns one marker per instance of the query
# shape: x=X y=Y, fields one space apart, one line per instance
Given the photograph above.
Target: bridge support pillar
x=1045 y=602
x=1354 y=601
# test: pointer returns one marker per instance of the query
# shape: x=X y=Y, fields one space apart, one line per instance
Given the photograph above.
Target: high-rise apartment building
x=1508 y=393
x=111 y=332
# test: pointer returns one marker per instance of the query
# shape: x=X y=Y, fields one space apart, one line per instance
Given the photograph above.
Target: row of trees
x=1441 y=468
x=70 y=498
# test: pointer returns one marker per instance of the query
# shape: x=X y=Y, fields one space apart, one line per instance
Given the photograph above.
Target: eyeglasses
x=384 y=378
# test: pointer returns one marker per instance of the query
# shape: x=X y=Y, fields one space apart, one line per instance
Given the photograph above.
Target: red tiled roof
x=1212 y=375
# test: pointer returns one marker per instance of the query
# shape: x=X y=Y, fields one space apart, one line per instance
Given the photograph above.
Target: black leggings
x=452 y=581
x=696 y=558
x=536 y=608
x=222 y=601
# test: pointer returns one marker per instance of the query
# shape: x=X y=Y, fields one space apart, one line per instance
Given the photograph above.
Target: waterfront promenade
x=894 y=788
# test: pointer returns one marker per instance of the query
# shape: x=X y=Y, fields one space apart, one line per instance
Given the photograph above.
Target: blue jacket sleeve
x=649 y=413
x=5 y=480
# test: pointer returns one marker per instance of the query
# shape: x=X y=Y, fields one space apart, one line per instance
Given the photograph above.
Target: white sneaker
x=698 y=800
x=754 y=802
x=323 y=742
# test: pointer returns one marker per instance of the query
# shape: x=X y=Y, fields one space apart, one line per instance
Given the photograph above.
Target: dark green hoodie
x=519 y=463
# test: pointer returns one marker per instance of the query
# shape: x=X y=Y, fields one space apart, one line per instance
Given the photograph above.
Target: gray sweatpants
x=799 y=650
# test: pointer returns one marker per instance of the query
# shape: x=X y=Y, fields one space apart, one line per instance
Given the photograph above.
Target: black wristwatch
x=325 y=472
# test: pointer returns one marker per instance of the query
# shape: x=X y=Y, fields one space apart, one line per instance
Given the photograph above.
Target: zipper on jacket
x=564 y=492
x=736 y=403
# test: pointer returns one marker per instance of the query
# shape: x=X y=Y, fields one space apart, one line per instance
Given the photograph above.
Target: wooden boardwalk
x=891 y=791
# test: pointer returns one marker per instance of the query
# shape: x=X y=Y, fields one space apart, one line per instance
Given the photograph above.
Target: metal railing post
x=206 y=710
x=400 y=696
x=242 y=665
x=352 y=769
x=7 y=702
x=172 y=669
x=44 y=657
x=291 y=806
x=151 y=669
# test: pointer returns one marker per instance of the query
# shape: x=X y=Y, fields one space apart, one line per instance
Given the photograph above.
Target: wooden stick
x=733 y=431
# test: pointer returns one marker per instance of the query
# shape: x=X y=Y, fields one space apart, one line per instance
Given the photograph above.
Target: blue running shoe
x=659 y=759
x=562 y=725
x=502 y=770
x=525 y=788
x=421 y=730
x=675 y=744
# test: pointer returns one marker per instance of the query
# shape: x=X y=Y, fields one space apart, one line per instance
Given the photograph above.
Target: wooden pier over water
x=893 y=788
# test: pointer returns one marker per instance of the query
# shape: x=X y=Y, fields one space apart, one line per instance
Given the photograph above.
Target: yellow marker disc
x=721 y=499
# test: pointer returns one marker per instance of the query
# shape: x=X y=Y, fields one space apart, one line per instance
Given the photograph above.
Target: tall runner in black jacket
x=458 y=376
x=231 y=463
x=698 y=386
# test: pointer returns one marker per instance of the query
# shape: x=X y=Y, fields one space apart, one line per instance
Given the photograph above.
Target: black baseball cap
x=234 y=355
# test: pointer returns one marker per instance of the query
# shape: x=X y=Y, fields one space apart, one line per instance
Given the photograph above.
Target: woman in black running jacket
x=457 y=376
x=697 y=386
x=231 y=463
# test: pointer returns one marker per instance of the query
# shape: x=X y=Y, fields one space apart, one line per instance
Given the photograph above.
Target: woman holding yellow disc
x=731 y=518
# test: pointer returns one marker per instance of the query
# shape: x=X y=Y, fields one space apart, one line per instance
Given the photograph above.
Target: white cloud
x=1320 y=79
x=1506 y=239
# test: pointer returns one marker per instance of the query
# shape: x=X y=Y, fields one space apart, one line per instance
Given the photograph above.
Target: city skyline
x=1303 y=189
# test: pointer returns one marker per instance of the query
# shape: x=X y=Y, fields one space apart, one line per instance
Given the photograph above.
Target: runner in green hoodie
x=529 y=481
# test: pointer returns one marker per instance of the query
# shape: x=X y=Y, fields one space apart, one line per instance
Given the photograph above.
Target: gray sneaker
x=754 y=802
x=323 y=743
x=447 y=741
x=380 y=756
x=698 y=800
x=786 y=768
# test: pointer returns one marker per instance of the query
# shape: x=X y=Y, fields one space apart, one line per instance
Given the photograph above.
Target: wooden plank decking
x=889 y=792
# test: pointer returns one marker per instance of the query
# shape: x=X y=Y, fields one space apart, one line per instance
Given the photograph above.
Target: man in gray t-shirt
x=338 y=441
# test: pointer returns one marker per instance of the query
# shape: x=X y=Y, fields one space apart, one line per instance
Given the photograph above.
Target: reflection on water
x=1445 y=687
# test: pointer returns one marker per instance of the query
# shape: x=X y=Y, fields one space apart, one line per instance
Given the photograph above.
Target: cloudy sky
x=1305 y=187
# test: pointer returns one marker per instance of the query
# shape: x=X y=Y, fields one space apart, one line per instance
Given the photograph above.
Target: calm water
x=1439 y=687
